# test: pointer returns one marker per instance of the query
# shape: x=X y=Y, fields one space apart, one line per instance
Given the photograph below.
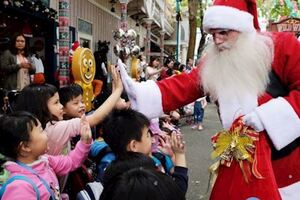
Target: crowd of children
x=49 y=135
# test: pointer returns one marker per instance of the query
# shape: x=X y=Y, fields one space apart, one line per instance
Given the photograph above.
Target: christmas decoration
x=126 y=45
x=84 y=69
x=236 y=144
x=64 y=13
x=36 y=7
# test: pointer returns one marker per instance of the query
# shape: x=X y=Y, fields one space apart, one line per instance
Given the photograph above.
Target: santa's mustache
x=224 y=46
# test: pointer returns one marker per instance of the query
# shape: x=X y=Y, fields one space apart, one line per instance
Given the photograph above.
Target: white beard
x=239 y=71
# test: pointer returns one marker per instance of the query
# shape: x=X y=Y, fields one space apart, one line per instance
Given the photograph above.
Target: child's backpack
x=92 y=191
x=103 y=156
x=20 y=177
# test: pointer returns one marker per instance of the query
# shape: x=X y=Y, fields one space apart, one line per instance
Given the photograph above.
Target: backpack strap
x=164 y=160
x=20 y=177
x=101 y=149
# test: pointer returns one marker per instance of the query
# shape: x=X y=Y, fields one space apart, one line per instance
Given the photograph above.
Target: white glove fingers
x=128 y=83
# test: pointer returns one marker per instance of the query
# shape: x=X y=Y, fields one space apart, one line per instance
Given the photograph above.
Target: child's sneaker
x=200 y=127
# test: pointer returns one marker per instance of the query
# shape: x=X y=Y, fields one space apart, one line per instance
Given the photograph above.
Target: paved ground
x=198 y=153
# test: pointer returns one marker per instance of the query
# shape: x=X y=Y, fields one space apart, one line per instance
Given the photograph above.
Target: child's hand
x=122 y=104
x=85 y=130
x=116 y=79
x=177 y=143
x=165 y=145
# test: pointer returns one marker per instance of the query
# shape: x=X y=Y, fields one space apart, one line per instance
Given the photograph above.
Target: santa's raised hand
x=140 y=94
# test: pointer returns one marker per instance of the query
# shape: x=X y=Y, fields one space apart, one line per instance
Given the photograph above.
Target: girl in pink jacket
x=25 y=144
x=43 y=102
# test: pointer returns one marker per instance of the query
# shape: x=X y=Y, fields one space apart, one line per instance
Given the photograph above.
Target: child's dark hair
x=126 y=162
x=168 y=60
x=33 y=98
x=68 y=93
x=122 y=126
x=142 y=184
x=14 y=129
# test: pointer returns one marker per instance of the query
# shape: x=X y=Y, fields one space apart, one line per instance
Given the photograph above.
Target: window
x=85 y=27
x=85 y=34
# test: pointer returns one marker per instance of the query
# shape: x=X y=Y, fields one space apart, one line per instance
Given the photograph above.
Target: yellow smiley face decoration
x=83 y=70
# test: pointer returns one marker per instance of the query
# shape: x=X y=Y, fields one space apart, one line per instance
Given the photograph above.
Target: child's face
x=75 y=107
x=55 y=107
x=144 y=146
x=38 y=142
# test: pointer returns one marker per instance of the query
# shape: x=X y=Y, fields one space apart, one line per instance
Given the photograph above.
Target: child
x=199 y=113
x=43 y=101
x=128 y=131
x=24 y=142
x=71 y=99
x=135 y=177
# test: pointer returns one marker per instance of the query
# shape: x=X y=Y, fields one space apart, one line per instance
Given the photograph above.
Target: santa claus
x=251 y=74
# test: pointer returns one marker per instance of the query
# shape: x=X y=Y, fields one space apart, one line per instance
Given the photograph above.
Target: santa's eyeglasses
x=220 y=33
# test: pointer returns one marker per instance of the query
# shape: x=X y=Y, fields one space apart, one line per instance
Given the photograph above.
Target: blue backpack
x=103 y=156
x=20 y=177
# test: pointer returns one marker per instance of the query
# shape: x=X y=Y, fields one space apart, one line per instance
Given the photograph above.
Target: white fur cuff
x=227 y=18
x=149 y=99
x=290 y=192
x=280 y=121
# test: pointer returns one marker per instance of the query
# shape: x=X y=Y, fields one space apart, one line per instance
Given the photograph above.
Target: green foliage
x=273 y=9
x=279 y=10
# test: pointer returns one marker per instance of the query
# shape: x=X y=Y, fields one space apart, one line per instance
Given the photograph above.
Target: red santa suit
x=279 y=116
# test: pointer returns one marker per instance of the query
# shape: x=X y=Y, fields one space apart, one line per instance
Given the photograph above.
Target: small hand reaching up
x=122 y=104
x=178 y=146
x=165 y=145
x=116 y=79
x=85 y=130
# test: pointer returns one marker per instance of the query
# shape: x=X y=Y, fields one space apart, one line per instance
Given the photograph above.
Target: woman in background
x=16 y=64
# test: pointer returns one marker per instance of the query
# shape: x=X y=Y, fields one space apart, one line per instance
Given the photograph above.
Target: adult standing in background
x=16 y=64
x=189 y=65
x=167 y=69
x=153 y=70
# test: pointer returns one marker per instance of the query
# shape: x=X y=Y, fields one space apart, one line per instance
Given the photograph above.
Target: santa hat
x=75 y=45
x=239 y=15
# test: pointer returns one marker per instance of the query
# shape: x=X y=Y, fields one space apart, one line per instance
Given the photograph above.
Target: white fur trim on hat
x=226 y=17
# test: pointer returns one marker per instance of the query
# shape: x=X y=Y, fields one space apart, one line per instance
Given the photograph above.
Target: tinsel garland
x=237 y=144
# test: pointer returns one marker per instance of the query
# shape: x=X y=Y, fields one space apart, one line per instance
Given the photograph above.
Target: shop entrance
x=38 y=24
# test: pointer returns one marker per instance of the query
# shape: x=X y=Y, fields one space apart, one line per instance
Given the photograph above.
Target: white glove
x=252 y=119
x=128 y=83
x=144 y=97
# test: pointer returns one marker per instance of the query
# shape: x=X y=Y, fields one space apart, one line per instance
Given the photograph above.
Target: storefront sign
x=286 y=27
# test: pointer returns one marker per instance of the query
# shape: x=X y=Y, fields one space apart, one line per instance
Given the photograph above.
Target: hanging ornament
x=131 y=34
x=135 y=51
x=126 y=45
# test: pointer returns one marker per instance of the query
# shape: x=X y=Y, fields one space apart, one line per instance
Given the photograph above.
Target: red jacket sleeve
x=180 y=90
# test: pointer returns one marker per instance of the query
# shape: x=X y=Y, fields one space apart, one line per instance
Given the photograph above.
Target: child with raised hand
x=43 y=101
x=24 y=143
x=128 y=131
